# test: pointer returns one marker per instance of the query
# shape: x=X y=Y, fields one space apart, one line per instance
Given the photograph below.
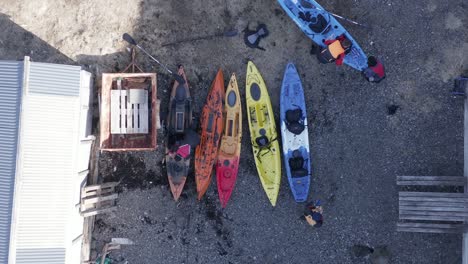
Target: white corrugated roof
x=46 y=173
x=49 y=157
x=11 y=73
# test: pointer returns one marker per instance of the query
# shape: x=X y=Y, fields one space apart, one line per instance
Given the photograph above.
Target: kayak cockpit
x=296 y=164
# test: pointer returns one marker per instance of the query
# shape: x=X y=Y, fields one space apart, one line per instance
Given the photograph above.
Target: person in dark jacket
x=375 y=72
x=313 y=214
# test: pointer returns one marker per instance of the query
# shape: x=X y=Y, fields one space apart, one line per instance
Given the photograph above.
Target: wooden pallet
x=432 y=207
x=97 y=199
x=129 y=111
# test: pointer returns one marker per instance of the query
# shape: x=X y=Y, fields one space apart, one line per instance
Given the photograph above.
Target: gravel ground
x=362 y=135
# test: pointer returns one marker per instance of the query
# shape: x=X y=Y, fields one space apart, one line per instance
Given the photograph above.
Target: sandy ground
x=362 y=135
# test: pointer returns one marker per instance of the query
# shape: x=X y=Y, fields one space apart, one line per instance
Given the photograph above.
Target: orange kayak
x=211 y=123
x=178 y=121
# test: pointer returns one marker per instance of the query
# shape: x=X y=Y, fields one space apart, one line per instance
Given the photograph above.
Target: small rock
x=381 y=255
x=361 y=251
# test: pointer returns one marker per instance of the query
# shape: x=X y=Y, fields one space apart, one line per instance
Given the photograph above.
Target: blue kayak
x=294 y=134
x=319 y=25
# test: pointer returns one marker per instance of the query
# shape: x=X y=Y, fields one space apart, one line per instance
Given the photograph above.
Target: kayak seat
x=299 y=172
x=180 y=94
x=296 y=164
x=318 y=24
x=293 y=115
x=296 y=128
x=293 y=121
x=262 y=141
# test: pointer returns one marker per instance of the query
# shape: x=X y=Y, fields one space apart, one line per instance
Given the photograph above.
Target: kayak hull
x=211 y=122
x=263 y=133
x=177 y=167
x=292 y=98
x=356 y=58
x=227 y=166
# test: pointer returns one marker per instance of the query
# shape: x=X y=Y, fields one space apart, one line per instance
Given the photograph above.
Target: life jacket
x=335 y=49
x=332 y=52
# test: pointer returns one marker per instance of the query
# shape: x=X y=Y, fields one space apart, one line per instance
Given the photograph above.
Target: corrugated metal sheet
x=10 y=96
x=58 y=79
x=41 y=256
x=48 y=172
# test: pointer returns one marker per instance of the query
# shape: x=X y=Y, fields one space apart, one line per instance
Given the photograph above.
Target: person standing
x=375 y=72
x=314 y=214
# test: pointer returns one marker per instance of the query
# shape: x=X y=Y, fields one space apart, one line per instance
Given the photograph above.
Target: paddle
x=310 y=5
x=132 y=41
x=229 y=34
x=347 y=19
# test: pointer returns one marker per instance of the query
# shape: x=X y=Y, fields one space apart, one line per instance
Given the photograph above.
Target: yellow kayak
x=263 y=133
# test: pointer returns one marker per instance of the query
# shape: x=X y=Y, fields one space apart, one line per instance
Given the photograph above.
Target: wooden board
x=431 y=228
x=432 y=180
x=432 y=194
x=432 y=217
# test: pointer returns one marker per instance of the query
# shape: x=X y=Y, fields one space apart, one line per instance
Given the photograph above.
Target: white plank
x=100 y=186
x=92 y=212
x=138 y=96
x=433 y=204
x=431 y=178
x=95 y=199
x=432 y=217
x=430 y=228
x=432 y=225
x=122 y=241
x=432 y=194
x=434 y=208
x=433 y=213
x=139 y=99
x=116 y=111
x=434 y=199
x=144 y=118
x=465 y=173
x=127 y=115
x=432 y=183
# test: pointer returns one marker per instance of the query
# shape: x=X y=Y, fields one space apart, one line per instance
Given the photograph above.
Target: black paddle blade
x=129 y=39
x=179 y=78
